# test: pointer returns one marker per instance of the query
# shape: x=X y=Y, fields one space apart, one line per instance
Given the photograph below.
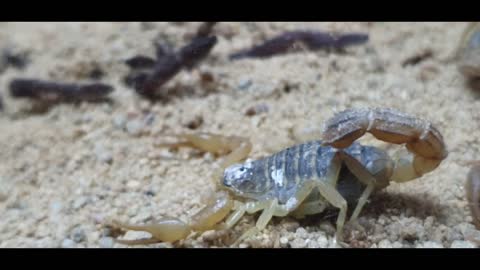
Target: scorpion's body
x=282 y=174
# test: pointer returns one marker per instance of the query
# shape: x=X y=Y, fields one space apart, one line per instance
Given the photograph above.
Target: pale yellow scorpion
x=472 y=188
x=468 y=51
x=467 y=54
x=307 y=178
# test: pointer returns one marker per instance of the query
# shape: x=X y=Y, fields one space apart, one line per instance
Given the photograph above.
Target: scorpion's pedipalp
x=269 y=208
x=422 y=139
x=216 y=210
x=235 y=148
x=172 y=229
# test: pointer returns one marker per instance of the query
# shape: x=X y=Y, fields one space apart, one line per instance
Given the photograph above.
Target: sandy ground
x=65 y=171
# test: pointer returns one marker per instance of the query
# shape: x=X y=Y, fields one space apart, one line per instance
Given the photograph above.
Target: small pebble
x=106 y=232
x=86 y=119
x=149 y=119
x=135 y=127
x=257 y=109
x=244 y=84
x=298 y=243
x=3 y=196
x=312 y=244
x=147 y=26
x=20 y=205
x=149 y=193
x=80 y=202
x=385 y=244
x=56 y=207
x=206 y=77
x=103 y=155
x=195 y=123
x=78 y=235
x=322 y=241
x=301 y=232
x=119 y=121
x=283 y=240
x=68 y=243
x=397 y=244
x=106 y=242
x=462 y=244
x=18 y=60
x=430 y=244
x=96 y=73
x=133 y=184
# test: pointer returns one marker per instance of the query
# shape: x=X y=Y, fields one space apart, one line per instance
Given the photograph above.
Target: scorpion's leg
x=239 y=210
x=335 y=199
x=269 y=208
x=328 y=188
x=242 y=208
x=272 y=208
x=364 y=176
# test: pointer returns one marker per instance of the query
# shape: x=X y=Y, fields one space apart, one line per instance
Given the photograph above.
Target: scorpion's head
x=239 y=179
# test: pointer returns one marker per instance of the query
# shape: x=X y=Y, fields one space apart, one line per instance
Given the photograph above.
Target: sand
x=65 y=171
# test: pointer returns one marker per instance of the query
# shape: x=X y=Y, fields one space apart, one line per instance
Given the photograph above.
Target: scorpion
x=472 y=188
x=468 y=51
x=467 y=55
x=307 y=178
